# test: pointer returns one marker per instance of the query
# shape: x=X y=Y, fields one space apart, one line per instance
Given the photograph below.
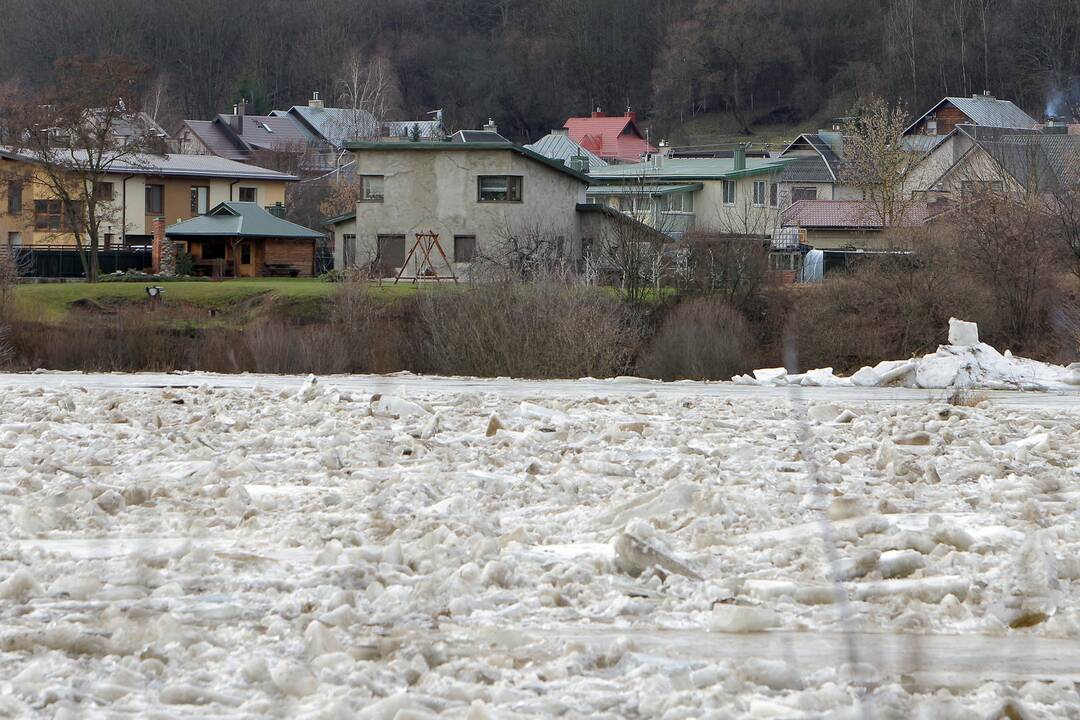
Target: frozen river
x=412 y=547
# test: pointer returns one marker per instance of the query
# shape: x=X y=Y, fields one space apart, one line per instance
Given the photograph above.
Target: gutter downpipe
x=231 y=186
x=123 y=210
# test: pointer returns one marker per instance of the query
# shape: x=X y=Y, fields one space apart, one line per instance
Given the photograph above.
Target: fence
x=63 y=261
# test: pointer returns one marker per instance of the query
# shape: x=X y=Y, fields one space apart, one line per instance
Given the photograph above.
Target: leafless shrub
x=360 y=321
x=532 y=330
x=280 y=347
x=890 y=306
x=702 y=339
x=735 y=269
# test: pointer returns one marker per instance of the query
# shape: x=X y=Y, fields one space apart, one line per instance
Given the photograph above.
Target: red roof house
x=615 y=139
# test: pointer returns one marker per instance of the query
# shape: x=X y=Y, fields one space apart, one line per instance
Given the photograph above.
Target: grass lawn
x=51 y=301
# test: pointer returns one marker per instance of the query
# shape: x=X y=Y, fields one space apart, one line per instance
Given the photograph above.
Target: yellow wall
x=114 y=220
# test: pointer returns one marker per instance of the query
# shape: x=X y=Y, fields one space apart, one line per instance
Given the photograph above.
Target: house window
x=803 y=193
x=391 y=250
x=759 y=193
x=931 y=127
x=348 y=249
x=249 y=194
x=200 y=200
x=774 y=195
x=729 y=192
x=464 y=248
x=371 y=188
x=51 y=215
x=14 y=238
x=47 y=214
x=14 y=200
x=155 y=199
x=110 y=239
x=103 y=191
x=499 y=188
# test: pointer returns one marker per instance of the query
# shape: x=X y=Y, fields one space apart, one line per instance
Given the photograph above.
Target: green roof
x=240 y=219
x=637 y=189
x=688 y=169
x=351 y=215
x=446 y=146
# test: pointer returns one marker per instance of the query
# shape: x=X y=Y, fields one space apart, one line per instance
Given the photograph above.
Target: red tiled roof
x=611 y=138
x=844 y=214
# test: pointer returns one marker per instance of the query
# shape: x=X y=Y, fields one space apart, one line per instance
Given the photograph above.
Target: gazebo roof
x=242 y=220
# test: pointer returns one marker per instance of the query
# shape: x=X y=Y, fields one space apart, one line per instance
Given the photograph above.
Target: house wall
x=976 y=166
x=112 y=215
x=297 y=253
x=947 y=116
x=436 y=190
x=188 y=143
x=740 y=217
x=178 y=196
x=926 y=173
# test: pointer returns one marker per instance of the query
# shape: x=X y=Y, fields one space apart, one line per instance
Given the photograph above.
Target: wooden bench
x=280 y=270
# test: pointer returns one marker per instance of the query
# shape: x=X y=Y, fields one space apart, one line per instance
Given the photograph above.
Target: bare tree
x=524 y=250
x=69 y=138
x=876 y=162
x=369 y=84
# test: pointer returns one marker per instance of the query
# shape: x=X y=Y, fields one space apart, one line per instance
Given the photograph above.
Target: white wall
x=436 y=190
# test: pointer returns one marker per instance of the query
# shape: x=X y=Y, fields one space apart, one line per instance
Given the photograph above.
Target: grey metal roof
x=984 y=110
x=559 y=146
x=808 y=168
x=640 y=189
x=269 y=132
x=1043 y=163
x=240 y=219
x=922 y=143
x=171 y=164
x=830 y=161
x=216 y=139
x=690 y=169
x=335 y=125
x=474 y=136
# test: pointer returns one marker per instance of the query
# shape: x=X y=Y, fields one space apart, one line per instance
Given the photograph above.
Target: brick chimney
x=597 y=113
x=157 y=226
x=630 y=114
x=163 y=253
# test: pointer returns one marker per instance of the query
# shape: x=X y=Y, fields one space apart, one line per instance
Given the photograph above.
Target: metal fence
x=63 y=261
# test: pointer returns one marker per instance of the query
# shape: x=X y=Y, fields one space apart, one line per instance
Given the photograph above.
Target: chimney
x=561 y=131
x=157 y=226
x=315 y=101
x=985 y=95
x=740 y=157
x=238 y=113
x=490 y=126
x=598 y=113
x=630 y=114
x=1055 y=126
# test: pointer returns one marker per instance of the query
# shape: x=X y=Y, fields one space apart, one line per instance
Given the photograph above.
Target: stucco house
x=136 y=190
x=473 y=195
x=733 y=195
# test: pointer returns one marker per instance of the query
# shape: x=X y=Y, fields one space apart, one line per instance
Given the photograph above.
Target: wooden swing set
x=420 y=257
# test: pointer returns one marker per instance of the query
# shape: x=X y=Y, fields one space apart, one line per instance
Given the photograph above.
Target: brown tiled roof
x=844 y=214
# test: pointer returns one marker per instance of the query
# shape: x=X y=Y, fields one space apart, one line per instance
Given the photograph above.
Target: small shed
x=243 y=239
